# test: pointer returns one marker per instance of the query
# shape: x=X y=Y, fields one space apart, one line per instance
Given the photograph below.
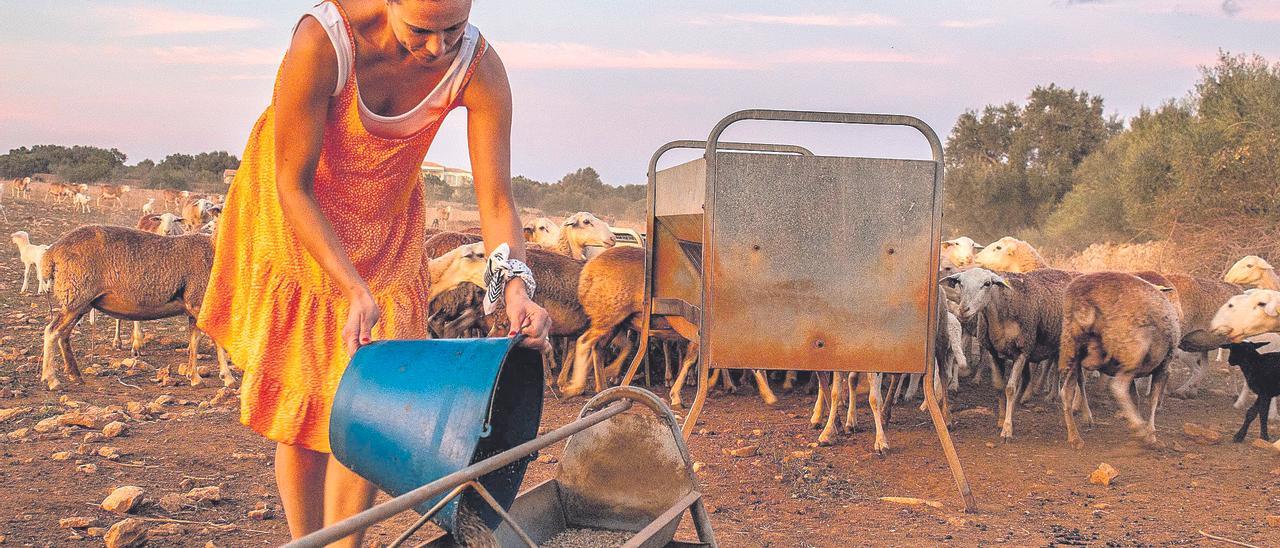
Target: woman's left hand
x=526 y=317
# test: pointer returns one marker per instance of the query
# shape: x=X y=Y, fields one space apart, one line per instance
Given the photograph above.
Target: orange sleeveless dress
x=269 y=303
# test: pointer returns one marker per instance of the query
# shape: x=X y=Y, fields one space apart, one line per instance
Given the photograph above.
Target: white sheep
x=31 y=255
x=1255 y=312
x=1253 y=271
x=960 y=251
x=81 y=202
x=582 y=230
x=149 y=207
x=1009 y=254
x=542 y=231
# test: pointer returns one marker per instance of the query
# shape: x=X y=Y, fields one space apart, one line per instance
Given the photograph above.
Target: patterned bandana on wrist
x=500 y=270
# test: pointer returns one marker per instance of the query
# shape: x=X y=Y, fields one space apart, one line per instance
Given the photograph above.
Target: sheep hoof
x=1076 y=443
x=1238 y=438
x=770 y=401
x=881 y=449
x=824 y=441
x=197 y=381
x=54 y=385
x=568 y=392
x=230 y=381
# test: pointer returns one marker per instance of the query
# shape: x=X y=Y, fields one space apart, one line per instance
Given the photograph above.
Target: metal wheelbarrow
x=448 y=426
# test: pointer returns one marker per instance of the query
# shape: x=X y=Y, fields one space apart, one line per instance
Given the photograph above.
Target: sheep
x=198 y=213
x=1023 y=318
x=943 y=352
x=543 y=232
x=113 y=192
x=20 y=187
x=960 y=251
x=164 y=224
x=31 y=256
x=60 y=191
x=611 y=290
x=1123 y=326
x=1009 y=254
x=442 y=216
x=1262 y=374
x=129 y=274
x=580 y=231
x=1255 y=312
x=174 y=197
x=149 y=207
x=1198 y=299
x=80 y=202
x=1253 y=271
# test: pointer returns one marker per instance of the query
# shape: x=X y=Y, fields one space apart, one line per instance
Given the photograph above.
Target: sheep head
x=1255 y=312
x=21 y=237
x=960 y=251
x=974 y=289
x=1248 y=271
x=1008 y=254
x=585 y=230
x=544 y=232
x=464 y=264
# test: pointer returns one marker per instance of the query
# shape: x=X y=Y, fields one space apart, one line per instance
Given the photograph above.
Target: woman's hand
x=364 y=314
x=526 y=317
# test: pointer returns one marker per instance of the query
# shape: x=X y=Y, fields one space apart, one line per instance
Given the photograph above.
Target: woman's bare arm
x=308 y=76
x=488 y=102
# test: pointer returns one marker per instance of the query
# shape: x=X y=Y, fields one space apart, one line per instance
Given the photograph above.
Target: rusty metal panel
x=820 y=263
x=680 y=189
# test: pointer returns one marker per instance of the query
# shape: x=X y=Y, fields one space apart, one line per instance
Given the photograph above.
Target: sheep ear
x=977 y=247
x=950 y=281
x=1266 y=266
x=1271 y=307
x=1163 y=288
x=1004 y=283
x=948 y=243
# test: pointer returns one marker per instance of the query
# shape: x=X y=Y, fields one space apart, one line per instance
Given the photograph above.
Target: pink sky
x=604 y=82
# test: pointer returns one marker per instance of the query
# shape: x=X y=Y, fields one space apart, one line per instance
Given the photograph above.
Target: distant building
x=228 y=175
x=451 y=176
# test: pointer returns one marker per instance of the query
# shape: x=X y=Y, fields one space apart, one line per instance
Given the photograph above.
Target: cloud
x=856 y=20
x=150 y=21
x=567 y=55
x=818 y=56
x=968 y=23
x=214 y=55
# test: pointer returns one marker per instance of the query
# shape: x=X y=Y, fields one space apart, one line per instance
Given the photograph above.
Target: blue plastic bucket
x=409 y=412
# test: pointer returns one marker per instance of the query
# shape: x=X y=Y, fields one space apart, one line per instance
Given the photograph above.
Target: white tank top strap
x=327 y=14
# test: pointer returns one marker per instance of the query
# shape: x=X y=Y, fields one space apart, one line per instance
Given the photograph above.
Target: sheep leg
x=729 y=386
x=1159 y=380
x=115 y=336
x=53 y=332
x=1242 y=401
x=1262 y=419
x=851 y=417
x=1191 y=386
x=1037 y=382
x=584 y=358
x=667 y=373
x=833 y=410
x=690 y=357
x=789 y=381
x=877 y=407
x=1120 y=391
x=1014 y=382
x=895 y=382
x=762 y=385
x=137 y=339
x=624 y=351
x=26 y=275
x=913 y=386
x=224 y=368
x=820 y=403
x=1248 y=419
x=1067 y=393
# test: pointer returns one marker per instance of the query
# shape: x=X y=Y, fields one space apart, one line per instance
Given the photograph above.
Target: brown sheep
x=128 y=274
x=1200 y=299
x=1120 y=325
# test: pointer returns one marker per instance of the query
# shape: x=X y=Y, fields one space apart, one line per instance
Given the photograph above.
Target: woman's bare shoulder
x=489 y=87
x=311 y=53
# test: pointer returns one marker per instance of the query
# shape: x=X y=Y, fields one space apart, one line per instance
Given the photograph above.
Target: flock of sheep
x=1030 y=323
x=1035 y=329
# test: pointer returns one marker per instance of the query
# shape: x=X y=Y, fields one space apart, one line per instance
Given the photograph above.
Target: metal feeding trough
x=771 y=257
x=447 y=427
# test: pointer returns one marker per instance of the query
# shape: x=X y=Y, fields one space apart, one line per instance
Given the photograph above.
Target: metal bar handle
x=859 y=118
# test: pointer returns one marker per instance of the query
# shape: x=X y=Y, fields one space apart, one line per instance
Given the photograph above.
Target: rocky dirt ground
x=204 y=478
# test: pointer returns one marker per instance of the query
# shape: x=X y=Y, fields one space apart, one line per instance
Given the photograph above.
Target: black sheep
x=1262 y=373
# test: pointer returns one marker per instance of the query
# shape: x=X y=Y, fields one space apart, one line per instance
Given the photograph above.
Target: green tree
x=1009 y=166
